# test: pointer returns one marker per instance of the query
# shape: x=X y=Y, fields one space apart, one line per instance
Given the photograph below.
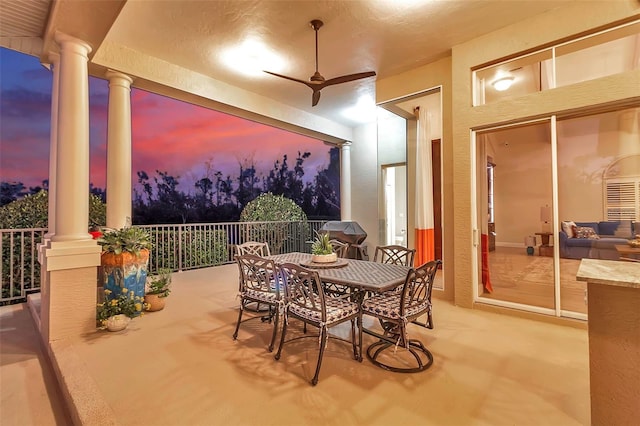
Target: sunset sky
x=167 y=135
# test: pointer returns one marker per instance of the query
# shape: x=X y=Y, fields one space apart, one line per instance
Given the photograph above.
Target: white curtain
x=425 y=248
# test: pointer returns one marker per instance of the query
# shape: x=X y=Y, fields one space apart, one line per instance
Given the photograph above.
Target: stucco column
x=72 y=165
x=119 y=150
x=345 y=181
x=68 y=292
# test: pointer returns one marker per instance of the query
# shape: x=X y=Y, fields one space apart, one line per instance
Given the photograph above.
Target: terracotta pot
x=117 y=322
x=156 y=303
x=324 y=258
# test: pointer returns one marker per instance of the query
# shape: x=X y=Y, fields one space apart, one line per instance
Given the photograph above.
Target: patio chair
x=259 y=284
x=253 y=247
x=396 y=255
x=305 y=300
x=257 y=249
x=340 y=248
x=396 y=310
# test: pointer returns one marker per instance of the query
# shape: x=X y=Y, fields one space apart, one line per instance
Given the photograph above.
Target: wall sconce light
x=503 y=83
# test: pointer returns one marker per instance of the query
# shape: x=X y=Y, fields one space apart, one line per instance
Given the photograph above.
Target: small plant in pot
x=322 y=250
x=114 y=314
x=158 y=288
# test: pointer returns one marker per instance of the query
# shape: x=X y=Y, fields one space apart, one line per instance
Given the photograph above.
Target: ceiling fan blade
x=317 y=81
x=348 y=78
x=306 y=83
x=315 y=98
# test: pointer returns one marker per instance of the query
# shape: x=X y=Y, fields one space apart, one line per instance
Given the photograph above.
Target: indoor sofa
x=601 y=245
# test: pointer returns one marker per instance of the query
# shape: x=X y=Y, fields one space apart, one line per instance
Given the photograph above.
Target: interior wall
x=365 y=182
x=392 y=149
x=421 y=79
x=522 y=181
x=587 y=146
x=391 y=137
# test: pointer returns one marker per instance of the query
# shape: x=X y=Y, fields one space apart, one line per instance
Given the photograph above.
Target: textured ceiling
x=386 y=36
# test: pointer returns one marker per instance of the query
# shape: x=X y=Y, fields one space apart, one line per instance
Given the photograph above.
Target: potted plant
x=322 y=250
x=124 y=260
x=114 y=314
x=158 y=288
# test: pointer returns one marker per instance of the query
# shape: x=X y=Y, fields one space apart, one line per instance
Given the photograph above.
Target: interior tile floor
x=180 y=366
x=519 y=278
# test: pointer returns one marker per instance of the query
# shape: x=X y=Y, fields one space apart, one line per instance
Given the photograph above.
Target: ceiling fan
x=317 y=82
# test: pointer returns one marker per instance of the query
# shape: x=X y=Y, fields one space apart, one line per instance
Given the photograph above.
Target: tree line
x=217 y=197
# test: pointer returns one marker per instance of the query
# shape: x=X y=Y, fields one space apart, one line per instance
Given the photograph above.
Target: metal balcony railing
x=175 y=247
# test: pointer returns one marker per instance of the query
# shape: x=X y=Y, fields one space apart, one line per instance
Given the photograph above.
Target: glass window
x=609 y=52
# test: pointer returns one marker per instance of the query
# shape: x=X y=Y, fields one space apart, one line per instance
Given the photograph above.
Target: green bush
x=32 y=211
x=200 y=248
x=273 y=208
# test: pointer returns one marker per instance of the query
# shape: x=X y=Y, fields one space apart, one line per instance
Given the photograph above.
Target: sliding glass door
x=515 y=193
x=550 y=193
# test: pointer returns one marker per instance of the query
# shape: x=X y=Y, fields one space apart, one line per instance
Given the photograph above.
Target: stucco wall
x=537 y=31
x=364 y=181
x=434 y=75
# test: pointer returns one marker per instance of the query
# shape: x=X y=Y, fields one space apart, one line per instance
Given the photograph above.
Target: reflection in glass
x=515 y=165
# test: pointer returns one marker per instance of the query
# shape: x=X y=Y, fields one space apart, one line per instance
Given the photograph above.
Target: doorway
x=394 y=181
x=410 y=135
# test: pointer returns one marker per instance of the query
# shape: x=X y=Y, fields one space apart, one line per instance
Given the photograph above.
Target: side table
x=545 y=249
x=628 y=251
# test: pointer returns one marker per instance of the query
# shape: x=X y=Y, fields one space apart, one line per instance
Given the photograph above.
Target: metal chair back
x=394 y=254
x=339 y=248
x=253 y=247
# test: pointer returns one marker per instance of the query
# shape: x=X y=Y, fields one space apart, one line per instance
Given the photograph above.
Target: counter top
x=610 y=272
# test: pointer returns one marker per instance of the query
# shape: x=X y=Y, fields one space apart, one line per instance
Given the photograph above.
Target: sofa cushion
x=608 y=228
x=579 y=242
x=567 y=227
x=586 y=232
x=594 y=225
x=624 y=229
x=609 y=243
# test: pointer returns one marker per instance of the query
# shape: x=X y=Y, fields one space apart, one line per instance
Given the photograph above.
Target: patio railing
x=175 y=247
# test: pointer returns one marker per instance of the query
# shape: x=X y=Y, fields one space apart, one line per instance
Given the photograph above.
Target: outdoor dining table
x=356 y=274
x=362 y=276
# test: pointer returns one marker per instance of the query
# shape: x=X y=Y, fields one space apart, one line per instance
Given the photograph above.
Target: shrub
x=272 y=208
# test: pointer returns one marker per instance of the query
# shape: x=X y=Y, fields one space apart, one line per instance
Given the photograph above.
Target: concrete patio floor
x=180 y=366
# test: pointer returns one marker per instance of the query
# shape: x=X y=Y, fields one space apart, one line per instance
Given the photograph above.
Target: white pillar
x=53 y=145
x=119 y=151
x=72 y=165
x=345 y=181
x=68 y=292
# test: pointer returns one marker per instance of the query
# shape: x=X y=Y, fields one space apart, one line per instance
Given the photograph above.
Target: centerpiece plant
x=322 y=250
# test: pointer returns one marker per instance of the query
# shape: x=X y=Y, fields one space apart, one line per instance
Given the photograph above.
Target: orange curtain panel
x=483 y=214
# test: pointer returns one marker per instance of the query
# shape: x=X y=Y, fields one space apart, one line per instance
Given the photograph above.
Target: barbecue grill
x=350 y=233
